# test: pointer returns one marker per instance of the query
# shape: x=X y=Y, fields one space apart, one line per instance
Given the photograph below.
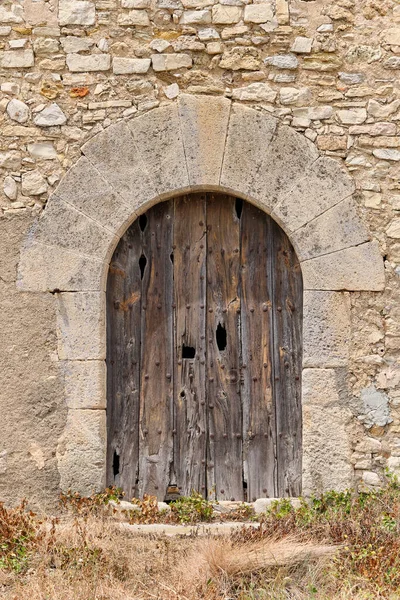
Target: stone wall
x=69 y=69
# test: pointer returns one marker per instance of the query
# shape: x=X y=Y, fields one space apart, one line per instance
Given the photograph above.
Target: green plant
x=191 y=509
x=78 y=504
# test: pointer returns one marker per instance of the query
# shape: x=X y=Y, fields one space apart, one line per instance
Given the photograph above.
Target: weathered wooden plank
x=123 y=362
x=189 y=357
x=156 y=389
x=259 y=428
x=224 y=468
x=287 y=316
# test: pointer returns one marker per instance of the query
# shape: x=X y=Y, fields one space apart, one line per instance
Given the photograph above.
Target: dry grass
x=92 y=558
x=338 y=547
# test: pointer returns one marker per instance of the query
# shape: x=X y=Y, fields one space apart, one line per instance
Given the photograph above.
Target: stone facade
x=271 y=101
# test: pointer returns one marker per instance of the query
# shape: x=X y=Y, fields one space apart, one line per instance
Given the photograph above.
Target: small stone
x=208 y=34
x=325 y=28
x=45 y=46
x=371 y=478
x=240 y=58
x=10 y=160
x=170 y=62
x=302 y=45
x=134 y=17
x=255 y=92
x=351 y=78
x=392 y=36
x=393 y=230
x=295 y=96
x=382 y=111
x=392 y=63
x=128 y=66
x=73 y=45
x=17 y=59
x=258 y=13
x=50 y=116
x=352 y=116
x=172 y=91
x=135 y=3
x=215 y=48
x=387 y=154
x=42 y=150
x=10 y=188
x=282 y=61
x=76 y=12
x=33 y=184
x=103 y=45
x=94 y=62
x=201 y=17
x=226 y=15
x=8 y=16
x=320 y=113
x=17 y=44
x=159 y=45
x=18 y=111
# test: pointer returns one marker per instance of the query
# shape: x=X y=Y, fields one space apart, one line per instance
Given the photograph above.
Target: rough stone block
x=338 y=228
x=84 y=383
x=76 y=12
x=326 y=431
x=255 y=92
x=63 y=226
x=81 y=452
x=226 y=15
x=170 y=62
x=134 y=17
x=321 y=187
x=79 y=63
x=125 y=171
x=248 y=140
x=204 y=122
x=47 y=268
x=357 y=268
x=158 y=136
x=85 y=189
x=258 y=13
x=326 y=329
x=197 y=17
x=262 y=150
x=128 y=66
x=17 y=59
x=81 y=326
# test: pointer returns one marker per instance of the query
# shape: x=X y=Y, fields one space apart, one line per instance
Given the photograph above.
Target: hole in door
x=220 y=335
x=142 y=222
x=188 y=351
x=116 y=463
x=142 y=265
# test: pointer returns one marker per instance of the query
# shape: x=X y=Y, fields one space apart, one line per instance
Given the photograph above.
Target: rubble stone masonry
x=69 y=69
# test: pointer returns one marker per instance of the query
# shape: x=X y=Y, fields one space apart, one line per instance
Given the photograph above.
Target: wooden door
x=204 y=349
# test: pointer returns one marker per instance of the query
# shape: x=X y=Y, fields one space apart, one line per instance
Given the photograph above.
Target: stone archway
x=201 y=143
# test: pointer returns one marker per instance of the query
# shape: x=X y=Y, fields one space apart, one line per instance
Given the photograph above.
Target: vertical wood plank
x=224 y=469
x=259 y=428
x=189 y=356
x=123 y=362
x=287 y=317
x=156 y=390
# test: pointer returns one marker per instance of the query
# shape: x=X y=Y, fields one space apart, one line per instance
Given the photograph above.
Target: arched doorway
x=204 y=349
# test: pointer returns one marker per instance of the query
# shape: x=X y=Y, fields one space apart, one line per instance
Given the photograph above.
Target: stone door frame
x=201 y=143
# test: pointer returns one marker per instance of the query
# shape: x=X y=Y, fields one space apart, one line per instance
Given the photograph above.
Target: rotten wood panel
x=123 y=362
x=224 y=468
x=156 y=389
x=259 y=427
x=287 y=343
x=189 y=256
